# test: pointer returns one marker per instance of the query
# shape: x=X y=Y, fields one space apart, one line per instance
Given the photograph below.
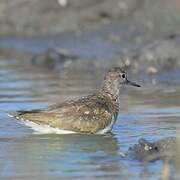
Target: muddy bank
x=24 y=17
x=156 y=56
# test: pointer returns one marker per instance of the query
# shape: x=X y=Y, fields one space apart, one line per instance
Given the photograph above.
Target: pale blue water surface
x=151 y=112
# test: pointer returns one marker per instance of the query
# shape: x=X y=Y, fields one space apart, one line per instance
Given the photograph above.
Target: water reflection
x=67 y=155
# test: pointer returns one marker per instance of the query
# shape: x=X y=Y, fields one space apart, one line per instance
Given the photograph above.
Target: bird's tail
x=16 y=114
x=20 y=114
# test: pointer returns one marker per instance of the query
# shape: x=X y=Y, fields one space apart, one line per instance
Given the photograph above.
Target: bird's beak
x=131 y=83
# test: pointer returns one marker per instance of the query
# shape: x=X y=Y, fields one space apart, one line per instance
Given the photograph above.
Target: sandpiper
x=93 y=114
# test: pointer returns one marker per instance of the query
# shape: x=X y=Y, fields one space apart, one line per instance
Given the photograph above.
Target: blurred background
x=140 y=34
x=60 y=49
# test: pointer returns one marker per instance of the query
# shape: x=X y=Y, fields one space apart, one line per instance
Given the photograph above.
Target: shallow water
x=150 y=112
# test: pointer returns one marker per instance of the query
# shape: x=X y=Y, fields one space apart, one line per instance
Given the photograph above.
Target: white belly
x=107 y=128
x=45 y=129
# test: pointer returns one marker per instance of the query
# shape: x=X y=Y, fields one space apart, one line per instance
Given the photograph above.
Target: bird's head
x=114 y=79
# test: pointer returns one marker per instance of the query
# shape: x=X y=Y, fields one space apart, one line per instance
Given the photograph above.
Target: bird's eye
x=156 y=148
x=123 y=76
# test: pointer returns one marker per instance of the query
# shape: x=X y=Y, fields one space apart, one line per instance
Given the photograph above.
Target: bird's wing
x=82 y=115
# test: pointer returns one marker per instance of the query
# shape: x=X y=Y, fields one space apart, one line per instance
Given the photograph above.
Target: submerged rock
x=54 y=57
x=164 y=149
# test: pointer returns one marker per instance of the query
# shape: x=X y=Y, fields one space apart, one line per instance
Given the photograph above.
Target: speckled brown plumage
x=88 y=114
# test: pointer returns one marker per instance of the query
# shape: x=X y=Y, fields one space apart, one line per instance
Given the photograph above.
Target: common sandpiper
x=93 y=114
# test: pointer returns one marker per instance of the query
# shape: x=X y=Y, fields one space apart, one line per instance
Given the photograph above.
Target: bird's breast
x=109 y=127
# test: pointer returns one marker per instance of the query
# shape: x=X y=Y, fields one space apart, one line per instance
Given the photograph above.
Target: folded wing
x=83 y=115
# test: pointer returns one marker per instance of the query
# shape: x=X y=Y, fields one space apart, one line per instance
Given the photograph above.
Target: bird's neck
x=110 y=90
x=111 y=97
